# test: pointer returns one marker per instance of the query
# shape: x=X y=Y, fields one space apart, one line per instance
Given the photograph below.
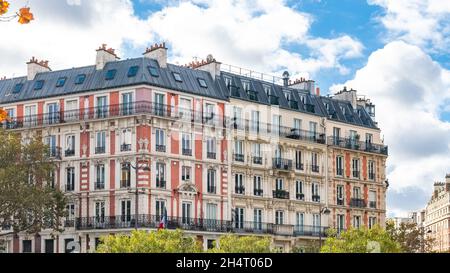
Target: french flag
x=163 y=222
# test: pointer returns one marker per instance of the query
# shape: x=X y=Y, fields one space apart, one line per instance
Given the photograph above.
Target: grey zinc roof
x=359 y=117
x=95 y=80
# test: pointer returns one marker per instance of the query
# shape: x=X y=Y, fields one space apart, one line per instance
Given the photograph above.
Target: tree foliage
x=160 y=241
x=27 y=201
x=23 y=14
x=412 y=238
x=232 y=243
x=362 y=240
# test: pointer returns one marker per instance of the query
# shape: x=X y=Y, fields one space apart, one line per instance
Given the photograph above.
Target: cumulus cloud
x=409 y=90
x=425 y=23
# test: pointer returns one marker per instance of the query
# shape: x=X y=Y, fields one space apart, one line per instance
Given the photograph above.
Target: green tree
x=28 y=203
x=361 y=240
x=412 y=238
x=160 y=241
x=232 y=243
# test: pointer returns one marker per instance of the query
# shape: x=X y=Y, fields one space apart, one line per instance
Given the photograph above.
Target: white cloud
x=67 y=33
x=420 y=22
x=409 y=89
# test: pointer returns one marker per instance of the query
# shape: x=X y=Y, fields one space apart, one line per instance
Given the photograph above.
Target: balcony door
x=126 y=211
x=239 y=218
x=30 y=115
x=99 y=213
x=257 y=219
x=127 y=103
x=52 y=113
x=159 y=104
x=186 y=213
x=102 y=107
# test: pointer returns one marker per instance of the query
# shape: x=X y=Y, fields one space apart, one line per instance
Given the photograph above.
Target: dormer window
x=110 y=74
x=17 y=88
x=61 y=81
x=202 y=83
x=267 y=90
x=132 y=71
x=38 y=85
x=177 y=76
x=287 y=94
x=80 y=79
x=153 y=71
x=227 y=82
x=246 y=85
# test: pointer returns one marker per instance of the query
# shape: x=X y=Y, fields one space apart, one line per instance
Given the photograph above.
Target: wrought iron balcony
x=239 y=189
x=316 y=198
x=299 y=166
x=100 y=150
x=187 y=152
x=70 y=187
x=310 y=231
x=99 y=185
x=211 y=189
x=340 y=172
x=125 y=147
x=160 y=183
x=357 y=203
x=160 y=148
x=340 y=202
x=353 y=144
x=300 y=196
x=280 y=194
x=211 y=155
x=257 y=160
x=294 y=133
x=125 y=183
x=69 y=152
x=282 y=164
x=258 y=192
x=55 y=152
x=315 y=168
x=239 y=157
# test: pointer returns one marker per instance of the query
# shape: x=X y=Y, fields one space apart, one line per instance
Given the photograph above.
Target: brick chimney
x=347 y=95
x=105 y=55
x=318 y=91
x=34 y=66
x=209 y=65
x=304 y=84
x=158 y=53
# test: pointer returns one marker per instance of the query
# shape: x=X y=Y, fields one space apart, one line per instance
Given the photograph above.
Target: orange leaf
x=4 y=5
x=25 y=16
x=3 y=115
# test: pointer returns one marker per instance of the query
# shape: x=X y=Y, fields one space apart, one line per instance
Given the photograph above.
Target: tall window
x=257 y=185
x=102 y=107
x=100 y=212
x=373 y=199
x=369 y=138
x=356 y=221
x=239 y=150
x=371 y=169
x=299 y=190
x=298 y=160
x=372 y=221
x=100 y=177
x=315 y=192
x=70 y=145
x=255 y=121
x=100 y=142
x=340 y=195
x=30 y=115
x=339 y=165
x=246 y=85
x=276 y=123
x=297 y=125
x=355 y=167
x=316 y=223
x=51 y=142
x=237 y=116
x=127 y=103
x=279 y=184
x=340 y=222
x=239 y=183
x=70 y=212
x=357 y=192
x=70 y=179
x=313 y=129
x=336 y=135
x=239 y=218
x=160 y=140
x=125 y=206
x=211 y=147
x=300 y=222
x=211 y=181
x=186 y=144
x=279 y=217
x=209 y=113
x=125 y=175
x=256 y=153
x=125 y=140
x=211 y=214
x=52 y=113
x=185 y=109
x=257 y=219
x=315 y=162
x=185 y=173
x=160 y=175
x=160 y=206
x=228 y=82
x=159 y=104
x=186 y=212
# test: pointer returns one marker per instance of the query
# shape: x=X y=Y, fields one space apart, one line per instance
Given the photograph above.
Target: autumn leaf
x=4 y=5
x=25 y=16
x=3 y=115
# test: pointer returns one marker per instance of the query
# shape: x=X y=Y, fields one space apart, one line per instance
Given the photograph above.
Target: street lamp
x=137 y=191
x=325 y=211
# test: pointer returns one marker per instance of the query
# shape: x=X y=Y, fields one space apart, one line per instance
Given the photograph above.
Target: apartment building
x=437 y=216
x=220 y=149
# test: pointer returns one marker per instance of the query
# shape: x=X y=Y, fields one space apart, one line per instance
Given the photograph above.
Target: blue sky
x=393 y=51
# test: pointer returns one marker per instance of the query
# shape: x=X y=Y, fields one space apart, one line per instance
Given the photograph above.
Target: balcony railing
x=125 y=183
x=280 y=194
x=69 y=152
x=125 y=147
x=315 y=168
x=257 y=160
x=55 y=152
x=355 y=174
x=372 y=176
x=300 y=196
x=99 y=185
x=316 y=198
x=294 y=133
x=100 y=150
x=313 y=231
x=210 y=155
x=239 y=189
x=187 y=152
x=160 y=148
x=340 y=202
x=239 y=157
x=110 y=111
x=357 y=203
x=299 y=166
x=160 y=183
x=353 y=144
x=70 y=187
x=258 y=192
x=211 y=189
x=282 y=164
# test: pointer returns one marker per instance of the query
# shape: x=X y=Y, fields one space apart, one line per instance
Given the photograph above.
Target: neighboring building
x=398 y=221
x=437 y=216
x=220 y=151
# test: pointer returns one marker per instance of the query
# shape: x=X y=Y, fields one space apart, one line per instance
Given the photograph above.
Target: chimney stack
x=210 y=65
x=318 y=91
x=105 y=55
x=347 y=95
x=158 y=53
x=303 y=84
x=34 y=66
x=285 y=78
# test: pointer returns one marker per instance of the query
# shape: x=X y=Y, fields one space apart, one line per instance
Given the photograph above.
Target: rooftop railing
x=353 y=144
